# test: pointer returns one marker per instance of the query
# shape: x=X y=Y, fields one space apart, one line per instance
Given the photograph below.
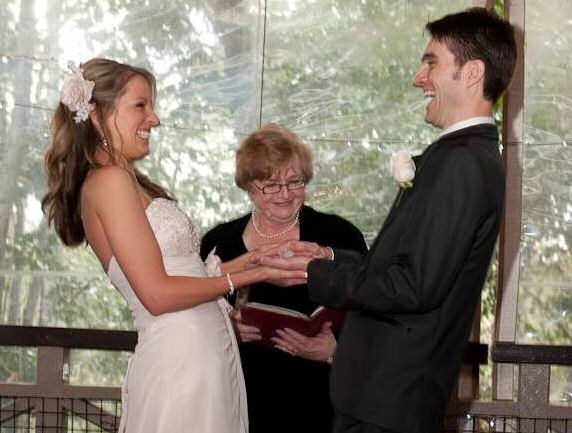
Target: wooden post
x=50 y=380
x=509 y=246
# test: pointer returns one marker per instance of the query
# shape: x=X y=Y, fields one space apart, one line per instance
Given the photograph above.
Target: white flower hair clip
x=76 y=93
x=402 y=169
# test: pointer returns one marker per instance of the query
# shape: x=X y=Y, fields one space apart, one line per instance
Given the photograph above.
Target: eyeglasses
x=275 y=188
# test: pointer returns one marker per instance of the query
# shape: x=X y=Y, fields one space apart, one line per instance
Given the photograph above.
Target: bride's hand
x=284 y=278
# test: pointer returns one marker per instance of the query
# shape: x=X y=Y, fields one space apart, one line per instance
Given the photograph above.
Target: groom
x=411 y=299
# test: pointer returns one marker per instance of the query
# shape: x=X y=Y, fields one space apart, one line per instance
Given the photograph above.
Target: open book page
x=269 y=318
x=282 y=310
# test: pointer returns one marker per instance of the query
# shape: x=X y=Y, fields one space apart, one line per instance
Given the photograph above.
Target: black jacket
x=412 y=297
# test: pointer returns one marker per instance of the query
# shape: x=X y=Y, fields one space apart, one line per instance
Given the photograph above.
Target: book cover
x=269 y=318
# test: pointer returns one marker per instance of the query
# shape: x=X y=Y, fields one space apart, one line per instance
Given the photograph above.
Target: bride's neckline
x=153 y=200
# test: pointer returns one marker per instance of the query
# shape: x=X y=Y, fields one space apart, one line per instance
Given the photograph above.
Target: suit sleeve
x=436 y=236
x=348 y=255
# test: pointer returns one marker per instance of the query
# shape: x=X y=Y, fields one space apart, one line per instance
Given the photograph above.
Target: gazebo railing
x=52 y=404
x=531 y=410
x=49 y=403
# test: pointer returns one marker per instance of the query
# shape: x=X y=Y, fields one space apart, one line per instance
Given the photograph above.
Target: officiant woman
x=287 y=386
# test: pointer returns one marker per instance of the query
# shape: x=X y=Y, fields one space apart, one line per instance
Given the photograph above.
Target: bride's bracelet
x=230 y=285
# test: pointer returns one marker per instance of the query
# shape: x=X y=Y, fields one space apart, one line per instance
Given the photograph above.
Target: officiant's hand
x=317 y=348
x=245 y=333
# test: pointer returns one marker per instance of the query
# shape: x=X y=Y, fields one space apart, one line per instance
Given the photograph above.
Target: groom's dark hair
x=477 y=34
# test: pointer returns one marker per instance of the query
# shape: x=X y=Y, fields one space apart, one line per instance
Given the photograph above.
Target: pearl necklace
x=275 y=235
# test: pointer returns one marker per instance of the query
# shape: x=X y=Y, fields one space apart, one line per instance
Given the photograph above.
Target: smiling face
x=280 y=208
x=131 y=122
x=440 y=78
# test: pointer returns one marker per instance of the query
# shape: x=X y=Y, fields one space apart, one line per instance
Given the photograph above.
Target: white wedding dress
x=185 y=374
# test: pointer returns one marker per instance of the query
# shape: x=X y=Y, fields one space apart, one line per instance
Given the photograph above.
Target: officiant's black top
x=285 y=393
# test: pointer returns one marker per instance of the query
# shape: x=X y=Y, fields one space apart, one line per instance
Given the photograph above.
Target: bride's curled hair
x=72 y=151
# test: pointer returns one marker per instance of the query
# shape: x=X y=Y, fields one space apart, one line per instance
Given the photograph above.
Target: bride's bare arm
x=113 y=196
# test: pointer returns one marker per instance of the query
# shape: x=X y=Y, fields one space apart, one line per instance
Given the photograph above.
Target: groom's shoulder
x=465 y=147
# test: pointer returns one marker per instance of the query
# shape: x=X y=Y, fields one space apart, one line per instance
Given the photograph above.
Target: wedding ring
x=306 y=275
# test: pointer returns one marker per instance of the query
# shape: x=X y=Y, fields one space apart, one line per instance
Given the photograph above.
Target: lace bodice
x=179 y=244
x=175 y=232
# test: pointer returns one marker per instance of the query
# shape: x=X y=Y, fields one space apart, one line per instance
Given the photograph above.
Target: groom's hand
x=294 y=255
x=295 y=263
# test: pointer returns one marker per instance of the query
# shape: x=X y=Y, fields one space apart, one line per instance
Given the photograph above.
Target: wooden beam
x=32 y=336
x=531 y=354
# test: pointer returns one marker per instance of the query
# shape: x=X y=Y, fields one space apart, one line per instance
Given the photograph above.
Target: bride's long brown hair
x=71 y=153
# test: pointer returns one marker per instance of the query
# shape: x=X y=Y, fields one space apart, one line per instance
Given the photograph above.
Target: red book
x=269 y=318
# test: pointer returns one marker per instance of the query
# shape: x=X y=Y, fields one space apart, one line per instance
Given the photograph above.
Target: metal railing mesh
x=58 y=415
x=67 y=415
x=469 y=423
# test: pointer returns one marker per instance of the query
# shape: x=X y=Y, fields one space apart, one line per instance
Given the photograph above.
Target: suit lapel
x=418 y=159
x=487 y=130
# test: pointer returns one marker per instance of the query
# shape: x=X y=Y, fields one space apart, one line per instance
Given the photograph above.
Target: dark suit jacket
x=285 y=393
x=412 y=297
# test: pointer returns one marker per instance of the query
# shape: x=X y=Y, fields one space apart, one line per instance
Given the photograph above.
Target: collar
x=472 y=121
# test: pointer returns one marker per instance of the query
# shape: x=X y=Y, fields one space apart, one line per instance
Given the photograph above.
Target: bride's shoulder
x=108 y=173
x=104 y=182
x=110 y=176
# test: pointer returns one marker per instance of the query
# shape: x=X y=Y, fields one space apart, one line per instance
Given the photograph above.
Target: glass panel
x=68 y=298
x=545 y=298
x=97 y=367
x=548 y=72
x=18 y=364
x=198 y=168
x=343 y=70
x=352 y=180
x=561 y=385
x=205 y=57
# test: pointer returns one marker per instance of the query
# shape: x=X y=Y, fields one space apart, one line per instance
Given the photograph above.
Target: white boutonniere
x=402 y=168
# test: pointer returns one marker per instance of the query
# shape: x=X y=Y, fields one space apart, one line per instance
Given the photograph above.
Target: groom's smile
x=439 y=78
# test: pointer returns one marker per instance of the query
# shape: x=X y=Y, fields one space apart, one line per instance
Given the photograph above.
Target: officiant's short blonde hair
x=268 y=150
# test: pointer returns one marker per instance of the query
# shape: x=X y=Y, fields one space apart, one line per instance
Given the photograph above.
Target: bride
x=185 y=374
